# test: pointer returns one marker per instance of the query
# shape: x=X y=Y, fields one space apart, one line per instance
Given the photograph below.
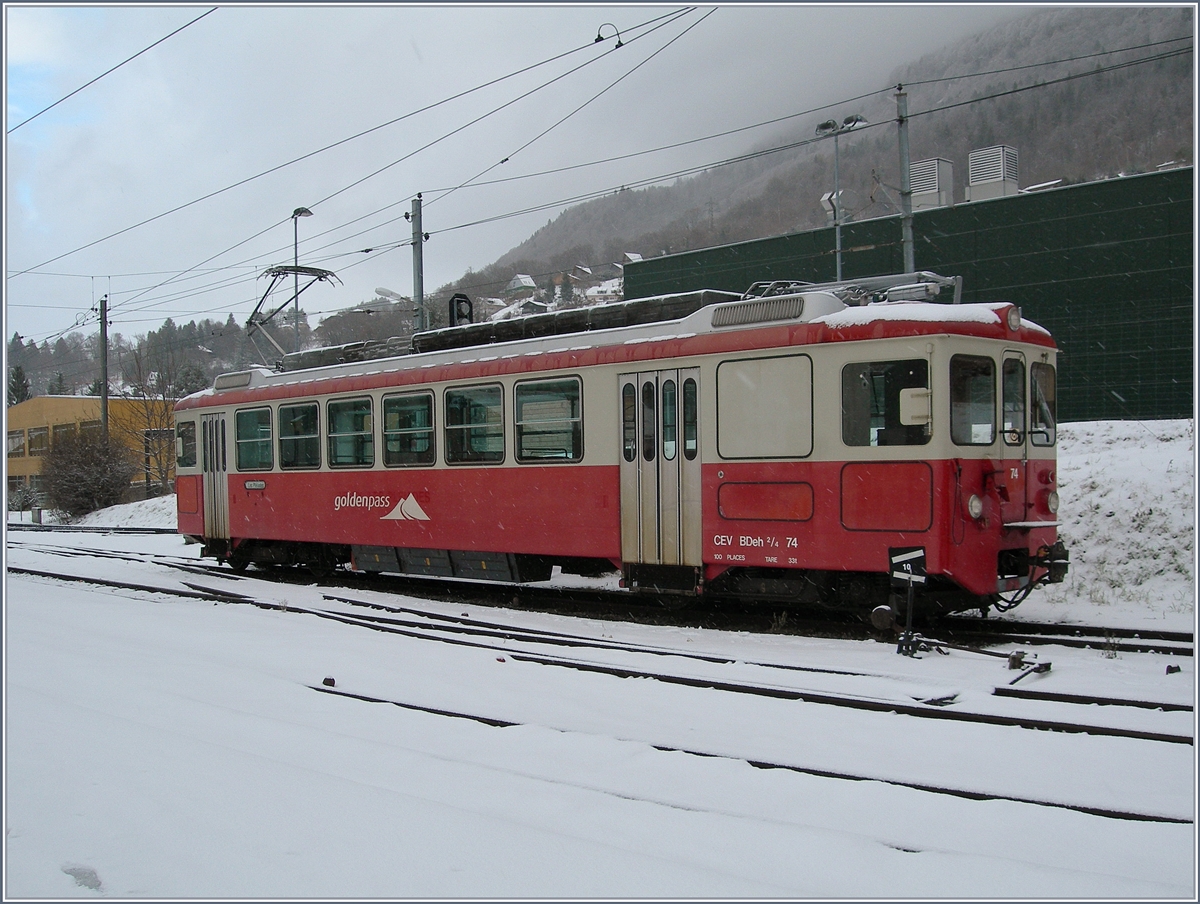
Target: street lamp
x=296 y=215
x=832 y=127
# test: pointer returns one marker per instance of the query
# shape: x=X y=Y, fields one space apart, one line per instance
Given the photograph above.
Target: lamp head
x=301 y=212
x=827 y=127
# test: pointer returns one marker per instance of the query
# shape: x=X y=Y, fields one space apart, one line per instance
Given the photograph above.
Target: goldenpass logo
x=407 y=509
x=353 y=500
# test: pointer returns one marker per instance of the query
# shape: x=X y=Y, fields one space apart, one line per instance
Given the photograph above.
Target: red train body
x=778 y=446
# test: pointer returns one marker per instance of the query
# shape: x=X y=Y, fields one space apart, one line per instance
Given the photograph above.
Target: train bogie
x=773 y=447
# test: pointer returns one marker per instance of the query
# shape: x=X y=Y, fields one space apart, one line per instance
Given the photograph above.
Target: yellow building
x=146 y=426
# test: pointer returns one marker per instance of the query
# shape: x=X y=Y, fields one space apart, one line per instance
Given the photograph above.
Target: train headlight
x=1052 y=502
x=975 y=507
x=1014 y=318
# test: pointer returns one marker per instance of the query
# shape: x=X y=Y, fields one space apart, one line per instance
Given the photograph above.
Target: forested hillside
x=1092 y=117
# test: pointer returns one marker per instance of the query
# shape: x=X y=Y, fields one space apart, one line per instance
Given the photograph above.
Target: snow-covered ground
x=160 y=747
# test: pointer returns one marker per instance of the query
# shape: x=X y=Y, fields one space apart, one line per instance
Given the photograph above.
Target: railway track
x=624 y=606
x=605 y=656
x=466 y=631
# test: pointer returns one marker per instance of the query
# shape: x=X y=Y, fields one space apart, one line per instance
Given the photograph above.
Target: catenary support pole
x=906 y=216
x=104 y=366
x=420 y=321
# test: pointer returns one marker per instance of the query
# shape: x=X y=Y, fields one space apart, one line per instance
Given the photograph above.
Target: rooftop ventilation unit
x=932 y=183
x=992 y=173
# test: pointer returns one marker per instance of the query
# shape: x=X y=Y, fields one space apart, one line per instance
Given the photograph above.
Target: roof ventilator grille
x=758 y=311
x=232 y=381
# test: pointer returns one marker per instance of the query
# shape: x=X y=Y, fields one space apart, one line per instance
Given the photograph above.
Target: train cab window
x=1014 y=401
x=871 y=396
x=629 y=421
x=408 y=430
x=1043 y=380
x=185 y=444
x=253 y=439
x=972 y=400
x=691 y=439
x=351 y=436
x=299 y=438
x=549 y=421
x=475 y=425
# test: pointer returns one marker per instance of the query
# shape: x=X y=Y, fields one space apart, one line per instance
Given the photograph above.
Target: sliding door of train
x=660 y=467
x=215 y=464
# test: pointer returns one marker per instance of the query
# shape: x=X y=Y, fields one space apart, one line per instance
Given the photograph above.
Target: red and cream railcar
x=780 y=445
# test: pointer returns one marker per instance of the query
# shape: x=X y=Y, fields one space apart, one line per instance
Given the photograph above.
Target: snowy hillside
x=1129 y=519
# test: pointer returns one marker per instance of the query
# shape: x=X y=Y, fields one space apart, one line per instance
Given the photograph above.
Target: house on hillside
x=607 y=291
x=145 y=426
x=521 y=286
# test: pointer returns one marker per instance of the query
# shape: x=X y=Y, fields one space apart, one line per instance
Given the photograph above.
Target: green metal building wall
x=1107 y=267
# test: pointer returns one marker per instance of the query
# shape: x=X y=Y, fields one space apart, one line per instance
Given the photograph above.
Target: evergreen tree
x=58 y=386
x=18 y=384
x=86 y=471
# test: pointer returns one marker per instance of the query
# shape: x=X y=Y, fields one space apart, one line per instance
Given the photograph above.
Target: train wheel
x=239 y=562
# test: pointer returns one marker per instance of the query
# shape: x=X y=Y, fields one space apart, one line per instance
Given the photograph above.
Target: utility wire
x=740 y=158
x=328 y=147
x=1074 y=59
x=110 y=71
x=417 y=151
x=594 y=97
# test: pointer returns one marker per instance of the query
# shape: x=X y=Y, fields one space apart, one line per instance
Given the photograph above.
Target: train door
x=1014 y=437
x=215 y=464
x=660 y=467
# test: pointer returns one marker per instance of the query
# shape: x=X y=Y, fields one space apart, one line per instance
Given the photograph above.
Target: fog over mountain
x=1083 y=119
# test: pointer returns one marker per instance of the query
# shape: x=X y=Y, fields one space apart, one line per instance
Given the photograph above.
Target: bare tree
x=148 y=420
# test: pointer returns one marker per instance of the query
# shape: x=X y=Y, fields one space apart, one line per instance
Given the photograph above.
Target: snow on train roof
x=921 y=311
x=691 y=325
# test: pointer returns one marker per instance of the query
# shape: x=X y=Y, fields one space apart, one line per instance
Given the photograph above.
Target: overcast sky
x=247 y=89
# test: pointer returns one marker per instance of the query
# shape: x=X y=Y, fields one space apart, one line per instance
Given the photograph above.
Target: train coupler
x=1055 y=559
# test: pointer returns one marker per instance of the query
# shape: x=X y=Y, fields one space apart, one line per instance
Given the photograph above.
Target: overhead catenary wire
x=739 y=158
x=335 y=144
x=110 y=71
x=420 y=149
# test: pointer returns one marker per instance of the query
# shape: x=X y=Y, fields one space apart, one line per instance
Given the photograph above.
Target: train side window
x=185 y=444
x=691 y=439
x=475 y=425
x=765 y=407
x=629 y=422
x=670 y=420
x=253 y=439
x=351 y=436
x=549 y=421
x=972 y=400
x=1042 y=427
x=1014 y=401
x=408 y=430
x=648 y=417
x=871 y=394
x=299 y=437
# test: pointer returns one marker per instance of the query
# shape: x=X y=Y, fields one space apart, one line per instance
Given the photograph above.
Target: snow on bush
x=1127 y=491
x=158 y=512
